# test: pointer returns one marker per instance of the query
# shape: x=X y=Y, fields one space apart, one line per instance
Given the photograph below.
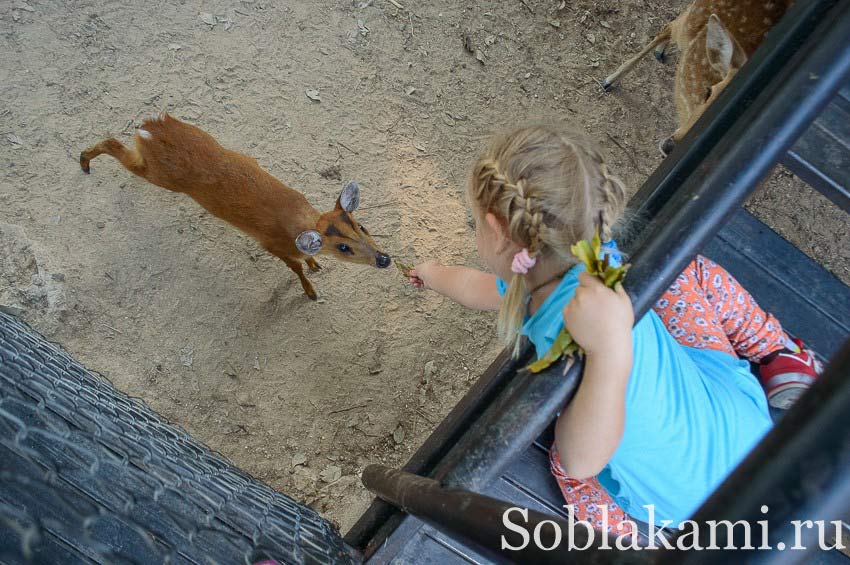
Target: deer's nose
x=667 y=146
x=383 y=261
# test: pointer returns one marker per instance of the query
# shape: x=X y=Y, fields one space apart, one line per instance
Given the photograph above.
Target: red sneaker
x=785 y=375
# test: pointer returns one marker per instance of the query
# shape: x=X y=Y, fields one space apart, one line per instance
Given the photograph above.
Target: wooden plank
x=821 y=157
x=425 y=550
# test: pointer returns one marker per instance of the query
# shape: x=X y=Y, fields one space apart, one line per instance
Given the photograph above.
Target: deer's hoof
x=84 y=164
x=607 y=85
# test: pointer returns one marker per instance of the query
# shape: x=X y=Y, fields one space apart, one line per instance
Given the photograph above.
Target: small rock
x=298 y=459
x=313 y=94
x=330 y=474
x=14 y=139
x=58 y=277
x=555 y=23
x=175 y=46
x=187 y=356
x=333 y=172
x=100 y=225
x=23 y=6
x=398 y=435
x=207 y=18
x=591 y=38
x=430 y=369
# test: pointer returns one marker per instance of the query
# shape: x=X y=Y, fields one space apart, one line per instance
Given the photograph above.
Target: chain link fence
x=88 y=474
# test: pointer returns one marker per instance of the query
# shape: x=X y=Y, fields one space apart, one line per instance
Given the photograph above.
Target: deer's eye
x=364 y=230
x=343 y=247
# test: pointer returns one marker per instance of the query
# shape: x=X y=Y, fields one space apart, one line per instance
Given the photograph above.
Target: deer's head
x=339 y=234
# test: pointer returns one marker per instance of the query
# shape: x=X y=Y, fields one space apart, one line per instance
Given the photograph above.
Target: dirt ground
x=183 y=311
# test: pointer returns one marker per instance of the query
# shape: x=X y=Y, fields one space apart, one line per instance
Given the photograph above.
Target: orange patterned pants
x=705 y=308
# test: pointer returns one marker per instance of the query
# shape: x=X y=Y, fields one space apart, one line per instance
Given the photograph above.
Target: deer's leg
x=314 y=266
x=662 y=37
x=130 y=158
x=661 y=51
x=298 y=268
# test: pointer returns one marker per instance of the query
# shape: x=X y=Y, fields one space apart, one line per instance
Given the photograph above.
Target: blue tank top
x=691 y=414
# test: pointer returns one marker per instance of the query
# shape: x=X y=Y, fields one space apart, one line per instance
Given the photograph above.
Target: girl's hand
x=422 y=275
x=598 y=317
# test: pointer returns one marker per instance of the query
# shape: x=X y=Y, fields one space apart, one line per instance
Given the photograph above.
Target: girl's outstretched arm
x=589 y=430
x=468 y=287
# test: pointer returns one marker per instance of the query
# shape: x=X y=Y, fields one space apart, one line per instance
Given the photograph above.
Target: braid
x=525 y=218
x=612 y=196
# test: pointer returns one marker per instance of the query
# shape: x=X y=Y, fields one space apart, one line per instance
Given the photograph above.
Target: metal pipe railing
x=478 y=521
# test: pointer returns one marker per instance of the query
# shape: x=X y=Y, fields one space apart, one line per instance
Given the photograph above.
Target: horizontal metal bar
x=477 y=521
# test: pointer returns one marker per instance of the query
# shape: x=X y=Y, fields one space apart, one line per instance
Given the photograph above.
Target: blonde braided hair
x=552 y=188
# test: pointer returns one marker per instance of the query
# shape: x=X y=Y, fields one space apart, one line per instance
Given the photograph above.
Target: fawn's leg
x=661 y=51
x=314 y=266
x=662 y=38
x=130 y=158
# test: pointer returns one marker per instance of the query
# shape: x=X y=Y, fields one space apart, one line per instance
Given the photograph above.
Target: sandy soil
x=183 y=311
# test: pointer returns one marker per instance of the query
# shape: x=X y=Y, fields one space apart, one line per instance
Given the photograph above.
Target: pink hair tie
x=522 y=262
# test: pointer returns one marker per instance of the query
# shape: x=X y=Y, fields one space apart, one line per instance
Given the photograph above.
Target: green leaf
x=563 y=345
x=584 y=252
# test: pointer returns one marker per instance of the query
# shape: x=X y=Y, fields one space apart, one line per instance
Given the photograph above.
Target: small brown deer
x=183 y=158
x=715 y=37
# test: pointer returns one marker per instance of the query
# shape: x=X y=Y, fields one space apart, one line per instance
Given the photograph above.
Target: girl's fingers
x=618 y=288
x=588 y=280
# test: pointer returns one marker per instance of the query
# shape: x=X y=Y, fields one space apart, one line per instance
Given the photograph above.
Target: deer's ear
x=309 y=242
x=349 y=198
x=723 y=52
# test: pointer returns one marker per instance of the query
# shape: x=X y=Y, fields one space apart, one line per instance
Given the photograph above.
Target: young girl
x=665 y=409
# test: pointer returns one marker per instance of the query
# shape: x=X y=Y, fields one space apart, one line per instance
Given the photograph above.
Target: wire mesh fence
x=88 y=474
